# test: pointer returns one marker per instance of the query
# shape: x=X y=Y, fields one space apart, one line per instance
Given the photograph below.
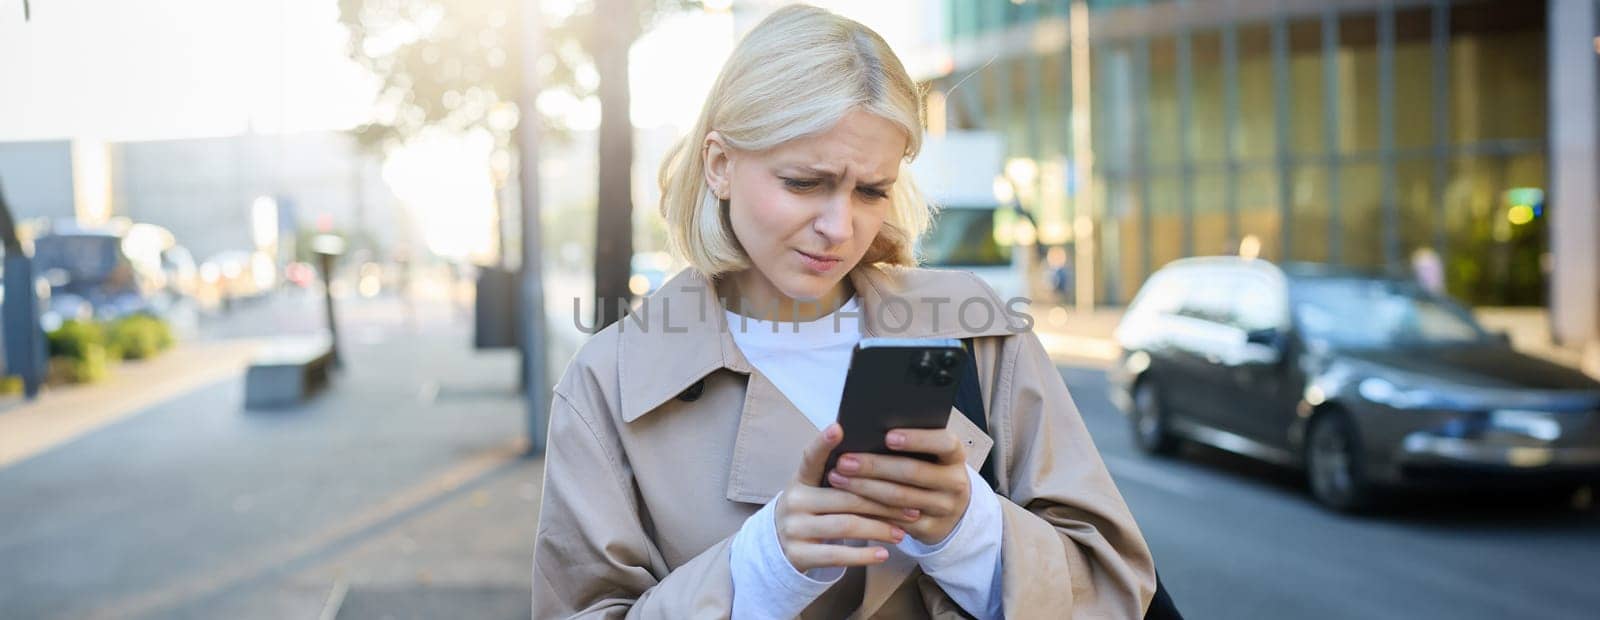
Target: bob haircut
x=796 y=74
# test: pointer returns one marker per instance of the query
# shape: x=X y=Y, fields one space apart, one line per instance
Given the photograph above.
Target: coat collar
x=679 y=334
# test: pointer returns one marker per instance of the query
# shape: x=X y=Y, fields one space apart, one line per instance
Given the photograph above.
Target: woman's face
x=807 y=211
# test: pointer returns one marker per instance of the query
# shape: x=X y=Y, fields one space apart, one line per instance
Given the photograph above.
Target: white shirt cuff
x=765 y=583
x=966 y=564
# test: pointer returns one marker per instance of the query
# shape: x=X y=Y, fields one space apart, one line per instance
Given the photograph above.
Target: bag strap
x=969 y=401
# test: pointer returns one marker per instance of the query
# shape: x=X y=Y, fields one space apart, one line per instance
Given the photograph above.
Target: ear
x=718 y=164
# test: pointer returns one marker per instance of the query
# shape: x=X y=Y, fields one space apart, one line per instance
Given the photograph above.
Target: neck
x=748 y=293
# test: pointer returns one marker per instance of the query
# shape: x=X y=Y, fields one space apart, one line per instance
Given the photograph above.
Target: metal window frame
x=1440 y=45
x=1141 y=156
x=1001 y=77
x=1184 y=69
x=1069 y=150
x=1280 y=77
x=1330 y=131
x=1230 y=126
x=1388 y=201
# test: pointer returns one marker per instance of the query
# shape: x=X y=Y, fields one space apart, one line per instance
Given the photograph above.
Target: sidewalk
x=61 y=414
x=400 y=492
x=1529 y=329
x=1077 y=339
x=456 y=541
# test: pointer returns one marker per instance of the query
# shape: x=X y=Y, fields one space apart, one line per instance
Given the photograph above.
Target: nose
x=833 y=222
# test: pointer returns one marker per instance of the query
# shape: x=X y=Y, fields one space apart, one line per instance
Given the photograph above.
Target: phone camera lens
x=947 y=360
x=943 y=378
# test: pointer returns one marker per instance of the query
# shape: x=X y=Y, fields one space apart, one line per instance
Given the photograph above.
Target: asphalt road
x=1237 y=539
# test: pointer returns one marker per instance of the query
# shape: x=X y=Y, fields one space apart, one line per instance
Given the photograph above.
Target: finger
x=902 y=469
x=815 y=456
x=818 y=554
x=820 y=501
x=940 y=442
x=839 y=527
x=932 y=503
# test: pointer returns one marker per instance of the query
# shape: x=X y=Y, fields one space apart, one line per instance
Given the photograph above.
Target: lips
x=819 y=263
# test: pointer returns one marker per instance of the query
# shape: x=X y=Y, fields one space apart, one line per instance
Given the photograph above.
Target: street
x=400 y=493
x=1237 y=539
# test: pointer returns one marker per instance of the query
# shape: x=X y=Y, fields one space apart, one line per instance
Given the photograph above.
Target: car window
x=1163 y=294
x=1258 y=304
x=1209 y=296
x=1160 y=296
x=1363 y=313
x=84 y=259
x=964 y=237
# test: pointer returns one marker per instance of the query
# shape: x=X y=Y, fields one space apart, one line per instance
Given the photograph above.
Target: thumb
x=815 y=458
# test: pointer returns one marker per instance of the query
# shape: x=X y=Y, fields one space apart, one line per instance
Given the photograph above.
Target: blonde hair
x=796 y=74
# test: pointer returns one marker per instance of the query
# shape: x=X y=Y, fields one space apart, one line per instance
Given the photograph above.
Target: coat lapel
x=766 y=453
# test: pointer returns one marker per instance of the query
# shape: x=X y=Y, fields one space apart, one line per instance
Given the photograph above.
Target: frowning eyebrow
x=829 y=174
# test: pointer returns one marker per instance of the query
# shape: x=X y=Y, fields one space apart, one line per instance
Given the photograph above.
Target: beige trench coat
x=663 y=439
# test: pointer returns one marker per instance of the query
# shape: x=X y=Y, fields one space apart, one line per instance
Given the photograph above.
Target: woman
x=688 y=441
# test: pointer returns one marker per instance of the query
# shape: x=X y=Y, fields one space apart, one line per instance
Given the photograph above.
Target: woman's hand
x=813 y=521
x=939 y=491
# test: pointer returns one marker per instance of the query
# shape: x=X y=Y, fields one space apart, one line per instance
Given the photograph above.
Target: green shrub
x=82 y=351
x=138 y=336
x=93 y=366
x=74 y=339
x=78 y=353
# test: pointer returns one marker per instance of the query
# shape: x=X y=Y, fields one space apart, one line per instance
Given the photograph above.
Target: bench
x=287 y=372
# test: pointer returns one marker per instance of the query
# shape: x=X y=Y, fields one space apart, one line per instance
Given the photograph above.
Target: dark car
x=1365 y=381
x=105 y=272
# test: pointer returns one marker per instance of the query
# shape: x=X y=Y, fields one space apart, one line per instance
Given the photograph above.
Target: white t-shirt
x=806 y=360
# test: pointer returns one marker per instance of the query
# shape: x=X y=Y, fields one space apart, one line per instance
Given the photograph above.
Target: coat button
x=692 y=393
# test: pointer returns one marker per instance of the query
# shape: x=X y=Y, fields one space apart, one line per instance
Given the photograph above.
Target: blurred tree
x=8 y=228
x=613 y=234
x=451 y=64
x=455 y=64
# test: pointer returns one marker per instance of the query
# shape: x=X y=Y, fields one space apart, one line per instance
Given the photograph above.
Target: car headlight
x=1386 y=392
x=1539 y=425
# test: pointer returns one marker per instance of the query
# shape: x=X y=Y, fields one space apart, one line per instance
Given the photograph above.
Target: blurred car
x=102 y=272
x=1367 y=382
x=234 y=275
x=974 y=228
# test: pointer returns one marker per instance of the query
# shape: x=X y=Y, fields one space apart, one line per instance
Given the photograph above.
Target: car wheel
x=1333 y=464
x=1152 y=432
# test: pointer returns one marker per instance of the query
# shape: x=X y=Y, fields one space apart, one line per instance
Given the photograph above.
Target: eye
x=873 y=194
x=799 y=184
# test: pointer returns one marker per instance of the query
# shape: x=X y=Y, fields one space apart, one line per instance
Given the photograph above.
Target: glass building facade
x=1353 y=133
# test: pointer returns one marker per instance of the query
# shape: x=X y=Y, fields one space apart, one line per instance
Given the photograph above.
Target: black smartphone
x=896 y=383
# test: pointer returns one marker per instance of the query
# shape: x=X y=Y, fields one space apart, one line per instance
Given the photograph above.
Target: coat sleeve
x=1070 y=542
x=592 y=557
